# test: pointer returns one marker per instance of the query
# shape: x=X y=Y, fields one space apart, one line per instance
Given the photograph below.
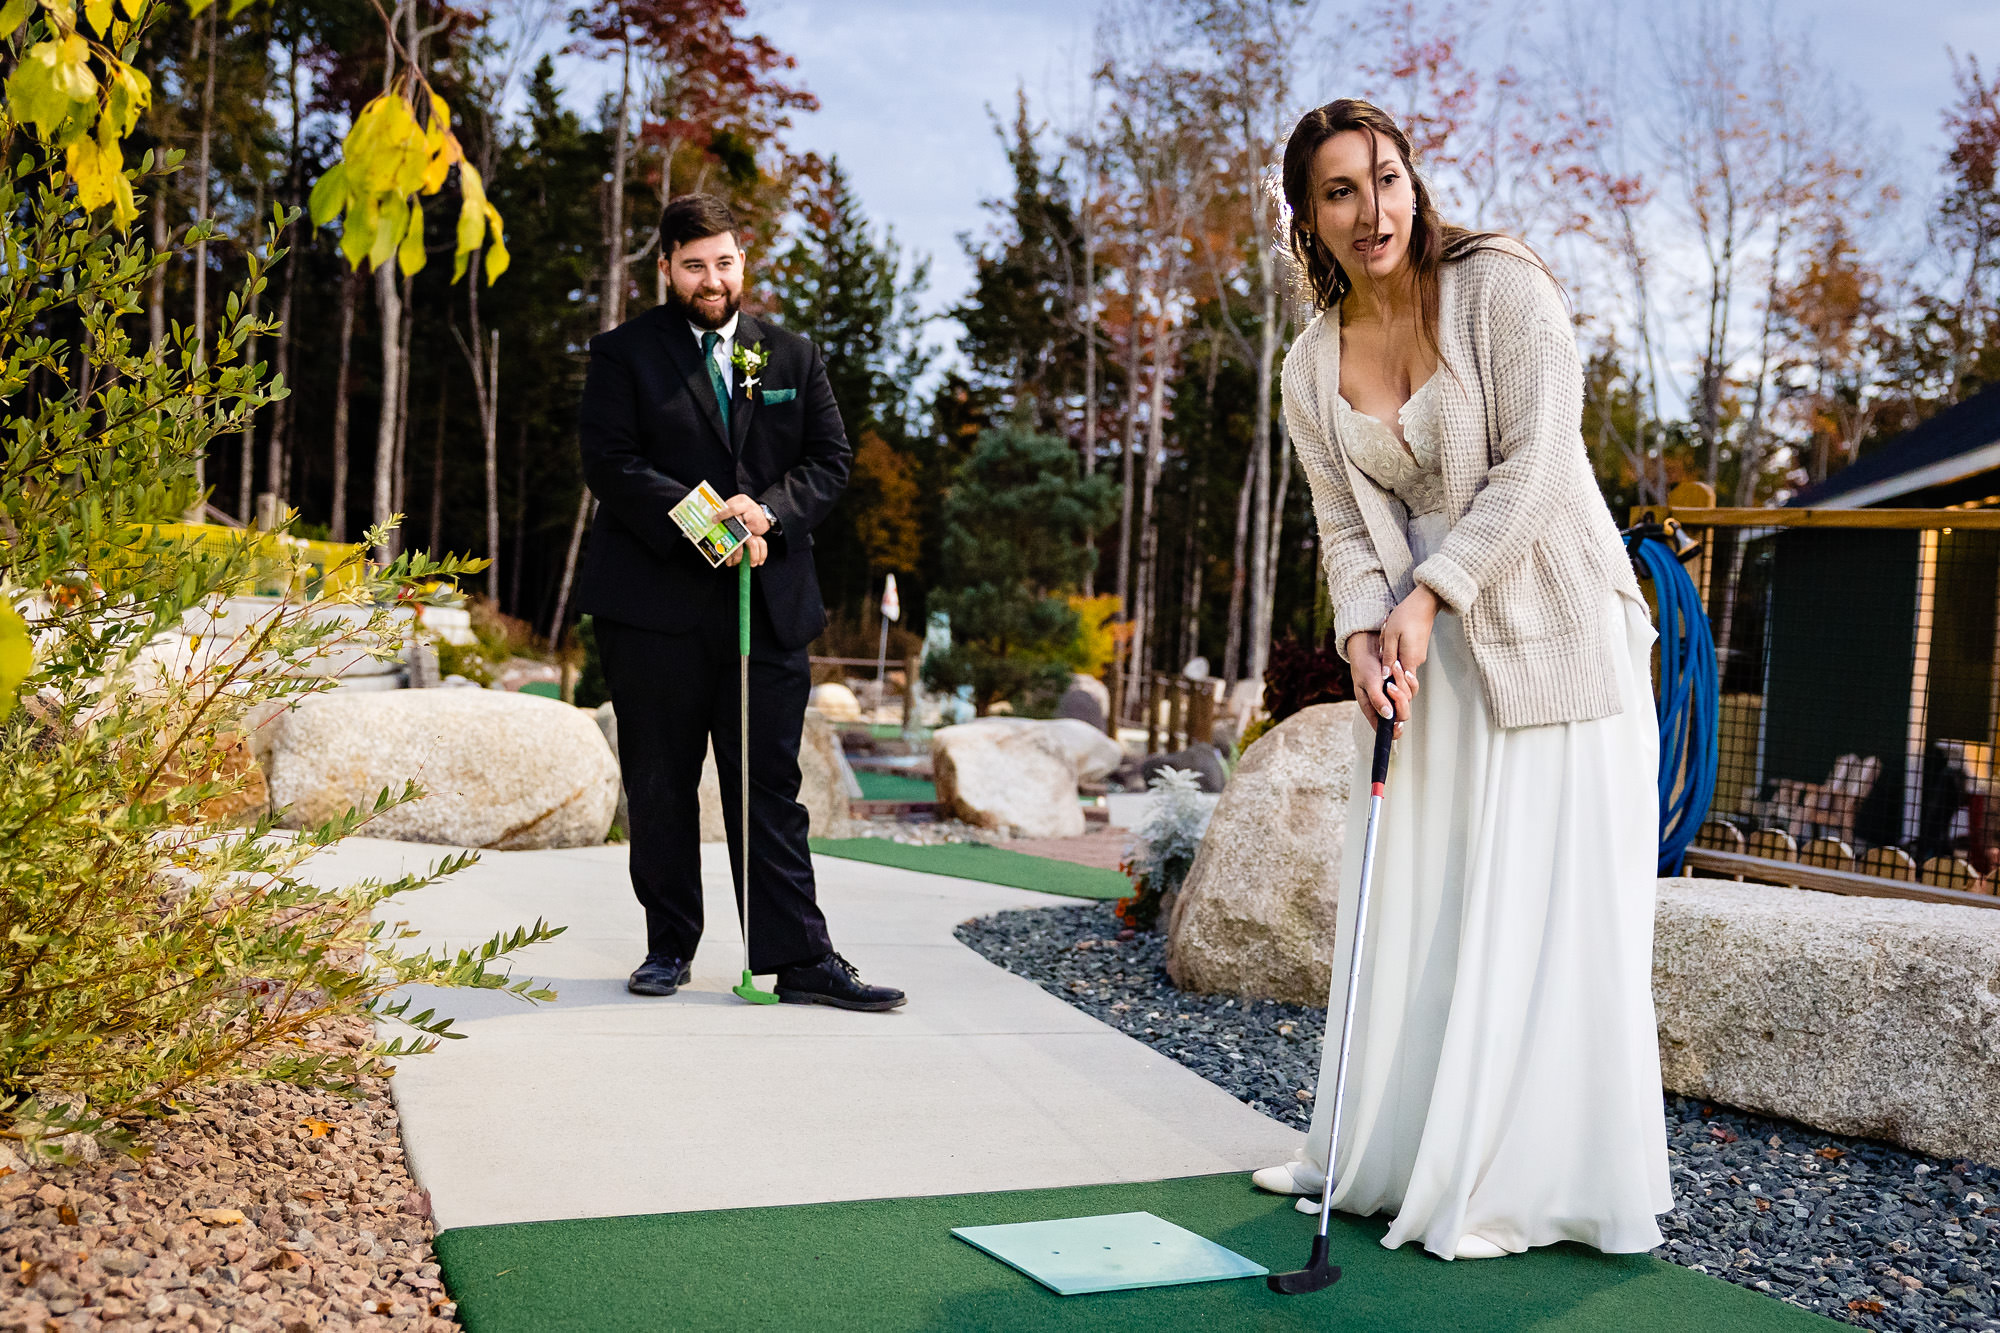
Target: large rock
x=506 y=771
x=825 y=780
x=1020 y=773
x=1256 y=914
x=835 y=702
x=1866 y=1016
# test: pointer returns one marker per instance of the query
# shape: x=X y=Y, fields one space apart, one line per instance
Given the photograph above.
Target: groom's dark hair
x=694 y=217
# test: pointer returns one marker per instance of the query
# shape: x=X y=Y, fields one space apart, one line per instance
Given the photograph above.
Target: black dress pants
x=674 y=693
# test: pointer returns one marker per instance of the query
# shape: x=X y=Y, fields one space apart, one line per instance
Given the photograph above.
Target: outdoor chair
x=1835 y=801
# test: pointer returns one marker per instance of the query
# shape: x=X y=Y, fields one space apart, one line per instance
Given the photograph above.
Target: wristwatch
x=772 y=519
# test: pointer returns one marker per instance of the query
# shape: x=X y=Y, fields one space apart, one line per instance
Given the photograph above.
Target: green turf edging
x=894 y=787
x=989 y=865
x=888 y=1265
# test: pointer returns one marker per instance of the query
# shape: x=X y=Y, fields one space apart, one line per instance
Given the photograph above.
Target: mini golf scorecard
x=1074 y=1256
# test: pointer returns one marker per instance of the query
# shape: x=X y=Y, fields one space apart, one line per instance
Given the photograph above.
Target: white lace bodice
x=1413 y=475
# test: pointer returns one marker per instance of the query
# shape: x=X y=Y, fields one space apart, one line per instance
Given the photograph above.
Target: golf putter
x=1318 y=1274
x=747 y=988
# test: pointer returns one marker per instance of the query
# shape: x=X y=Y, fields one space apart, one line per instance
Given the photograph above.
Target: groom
x=693 y=391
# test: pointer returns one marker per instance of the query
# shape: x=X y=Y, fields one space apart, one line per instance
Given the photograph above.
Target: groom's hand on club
x=752 y=513
x=757 y=549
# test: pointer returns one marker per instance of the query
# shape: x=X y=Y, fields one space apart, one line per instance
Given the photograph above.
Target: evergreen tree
x=855 y=296
x=1023 y=322
x=1015 y=524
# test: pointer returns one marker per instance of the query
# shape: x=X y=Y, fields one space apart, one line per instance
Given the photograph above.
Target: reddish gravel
x=260 y=1210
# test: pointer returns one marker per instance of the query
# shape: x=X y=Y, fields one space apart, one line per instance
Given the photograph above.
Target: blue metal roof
x=1924 y=456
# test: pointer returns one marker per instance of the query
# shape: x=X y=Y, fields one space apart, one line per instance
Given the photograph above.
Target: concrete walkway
x=606 y=1103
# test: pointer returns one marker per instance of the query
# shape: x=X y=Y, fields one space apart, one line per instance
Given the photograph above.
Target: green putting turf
x=989 y=865
x=894 y=787
x=892 y=1264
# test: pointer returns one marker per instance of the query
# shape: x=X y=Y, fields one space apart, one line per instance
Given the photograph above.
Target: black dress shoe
x=660 y=974
x=833 y=980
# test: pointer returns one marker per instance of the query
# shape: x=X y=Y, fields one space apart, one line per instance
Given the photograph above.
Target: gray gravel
x=1865 y=1233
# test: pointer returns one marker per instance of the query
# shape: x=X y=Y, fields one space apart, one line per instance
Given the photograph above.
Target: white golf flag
x=892 y=608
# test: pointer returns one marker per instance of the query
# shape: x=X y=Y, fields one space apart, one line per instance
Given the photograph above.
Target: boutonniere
x=750 y=361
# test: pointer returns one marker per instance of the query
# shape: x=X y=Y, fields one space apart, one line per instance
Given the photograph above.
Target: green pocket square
x=779 y=395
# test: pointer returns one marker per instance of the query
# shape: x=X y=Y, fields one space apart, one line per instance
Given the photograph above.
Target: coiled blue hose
x=1689 y=701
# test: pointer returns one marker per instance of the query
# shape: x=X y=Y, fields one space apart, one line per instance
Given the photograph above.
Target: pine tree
x=1023 y=320
x=855 y=296
x=1014 y=548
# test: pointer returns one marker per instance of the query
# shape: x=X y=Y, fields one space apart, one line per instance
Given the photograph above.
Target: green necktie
x=715 y=380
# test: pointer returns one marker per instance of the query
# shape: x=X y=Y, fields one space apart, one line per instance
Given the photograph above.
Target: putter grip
x=1385 y=736
x=743 y=604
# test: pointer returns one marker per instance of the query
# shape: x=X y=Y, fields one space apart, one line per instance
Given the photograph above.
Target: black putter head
x=1317 y=1275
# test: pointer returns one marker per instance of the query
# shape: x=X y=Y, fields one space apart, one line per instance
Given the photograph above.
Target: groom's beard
x=730 y=302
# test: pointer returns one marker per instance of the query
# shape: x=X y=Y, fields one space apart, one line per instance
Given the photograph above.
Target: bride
x=1504 y=1082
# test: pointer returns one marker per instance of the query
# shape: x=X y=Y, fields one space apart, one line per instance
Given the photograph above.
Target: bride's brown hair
x=1433 y=241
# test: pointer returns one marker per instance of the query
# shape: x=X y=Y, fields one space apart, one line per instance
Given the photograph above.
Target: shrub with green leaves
x=147 y=944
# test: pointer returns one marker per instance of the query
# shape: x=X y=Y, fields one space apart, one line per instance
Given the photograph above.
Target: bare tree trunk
x=1090 y=354
x=490 y=424
x=277 y=448
x=483 y=355
x=1284 y=482
x=1156 y=457
x=246 y=481
x=1263 y=534
x=342 y=384
x=402 y=473
x=1128 y=447
x=614 y=264
x=437 y=466
x=201 y=174
x=1238 y=573
x=584 y=507
x=156 y=300
x=520 y=518
x=389 y=307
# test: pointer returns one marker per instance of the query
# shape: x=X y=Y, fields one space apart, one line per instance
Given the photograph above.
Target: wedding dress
x=1504 y=1080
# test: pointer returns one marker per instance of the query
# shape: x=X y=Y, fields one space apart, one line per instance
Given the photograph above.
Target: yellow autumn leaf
x=471 y=217
x=72 y=69
x=357 y=230
x=93 y=166
x=131 y=7
x=131 y=93
x=389 y=230
x=62 y=14
x=497 y=257
x=17 y=656
x=99 y=14
x=329 y=195
x=320 y=1128
x=410 y=254
x=13 y=14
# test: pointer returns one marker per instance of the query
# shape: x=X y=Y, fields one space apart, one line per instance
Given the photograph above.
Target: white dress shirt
x=724 y=348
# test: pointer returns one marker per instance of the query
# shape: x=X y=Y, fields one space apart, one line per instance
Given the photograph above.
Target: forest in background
x=1762 y=289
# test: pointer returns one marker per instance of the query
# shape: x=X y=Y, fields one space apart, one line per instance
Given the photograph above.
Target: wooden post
x=1201 y=713
x=912 y=673
x=1153 y=683
x=1117 y=683
x=1177 y=714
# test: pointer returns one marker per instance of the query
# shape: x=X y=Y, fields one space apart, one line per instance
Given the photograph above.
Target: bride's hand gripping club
x=1394 y=655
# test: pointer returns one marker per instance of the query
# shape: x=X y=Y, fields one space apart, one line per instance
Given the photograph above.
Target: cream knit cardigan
x=1532 y=549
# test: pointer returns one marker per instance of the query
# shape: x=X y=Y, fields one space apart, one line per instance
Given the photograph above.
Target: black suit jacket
x=651 y=432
